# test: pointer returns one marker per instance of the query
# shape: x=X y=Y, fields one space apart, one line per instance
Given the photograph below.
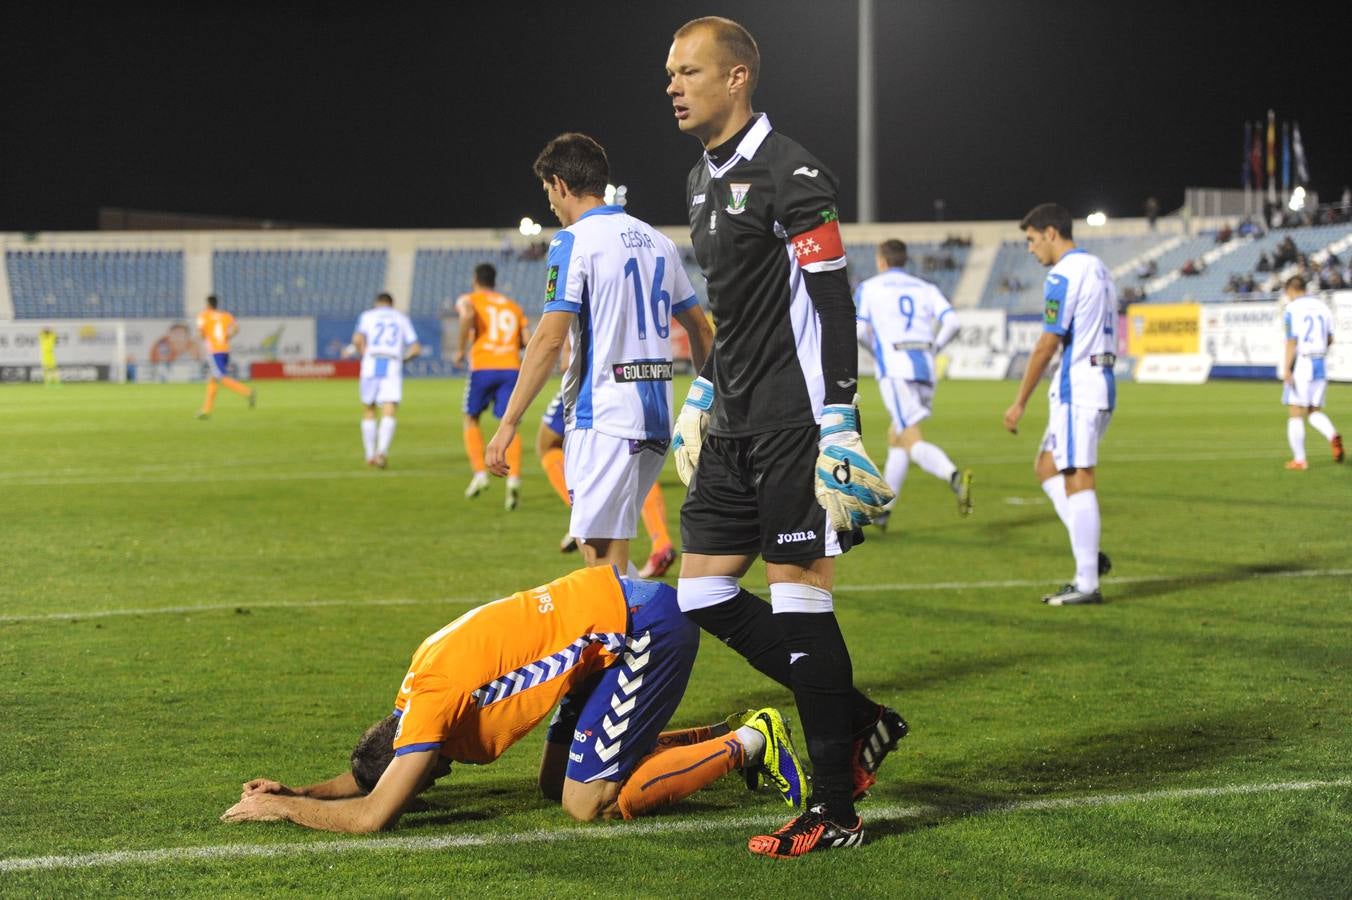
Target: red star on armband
x=820 y=245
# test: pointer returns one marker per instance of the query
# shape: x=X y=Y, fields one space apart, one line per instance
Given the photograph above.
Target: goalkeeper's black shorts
x=756 y=495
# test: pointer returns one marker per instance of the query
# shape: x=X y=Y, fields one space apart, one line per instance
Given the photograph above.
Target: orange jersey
x=498 y=331
x=214 y=327
x=480 y=684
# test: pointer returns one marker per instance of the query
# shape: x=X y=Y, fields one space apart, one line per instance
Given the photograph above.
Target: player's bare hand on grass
x=253 y=808
x=266 y=786
x=1012 y=417
x=495 y=454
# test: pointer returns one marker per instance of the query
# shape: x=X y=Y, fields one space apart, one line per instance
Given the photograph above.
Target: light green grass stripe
x=1198 y=577
x=634 y=829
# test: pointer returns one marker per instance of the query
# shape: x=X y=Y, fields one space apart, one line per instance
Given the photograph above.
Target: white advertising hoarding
x=1243 y=334
x=155 y=341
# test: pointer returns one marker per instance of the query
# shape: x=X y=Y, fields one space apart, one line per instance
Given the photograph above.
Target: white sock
x=1055 y=489
x=1083 y=509
x=1295 y=436
x=753 y=742
x=933 y=460
x=513 y=482
x=895 y=470
x=386 y=435
x=1321 y=423
x=368 y=437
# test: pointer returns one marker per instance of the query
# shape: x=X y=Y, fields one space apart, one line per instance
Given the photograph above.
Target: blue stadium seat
x=96 y=284
x=298 y=282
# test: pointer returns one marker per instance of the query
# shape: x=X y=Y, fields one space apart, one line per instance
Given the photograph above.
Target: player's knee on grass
x=588 y=801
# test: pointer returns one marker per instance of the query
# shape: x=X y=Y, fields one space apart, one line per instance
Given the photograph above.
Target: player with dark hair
x=384 y=339
x=613 y=654
x=904 y=321
x=216 y=328
x=614 y=283
x=1080 y=320
x=493 y=329
x=768 y=439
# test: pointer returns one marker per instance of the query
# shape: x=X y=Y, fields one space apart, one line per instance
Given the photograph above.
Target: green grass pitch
x=267 y=590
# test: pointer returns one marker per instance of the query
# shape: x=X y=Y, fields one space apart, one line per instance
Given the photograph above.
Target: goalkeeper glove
x=691 y=424
x=848 y=485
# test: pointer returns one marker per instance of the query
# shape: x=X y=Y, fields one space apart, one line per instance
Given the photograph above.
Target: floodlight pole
x=867 y=169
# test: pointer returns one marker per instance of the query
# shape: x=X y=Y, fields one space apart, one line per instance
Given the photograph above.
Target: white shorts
x=382 y=380
x=909 y=402
x=608 y=482
x=1073 y=434
x=1309 y=382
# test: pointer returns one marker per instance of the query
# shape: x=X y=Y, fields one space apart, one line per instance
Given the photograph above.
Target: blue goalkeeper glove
x=848 y=485
x=691 y=424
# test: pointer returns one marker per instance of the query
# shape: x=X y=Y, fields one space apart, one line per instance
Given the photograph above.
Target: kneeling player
x=616 y=652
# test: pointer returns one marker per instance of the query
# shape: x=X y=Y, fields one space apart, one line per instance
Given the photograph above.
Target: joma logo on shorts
x=794 y=537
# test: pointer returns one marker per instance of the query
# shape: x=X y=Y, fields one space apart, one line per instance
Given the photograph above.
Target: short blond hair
x=737 y=45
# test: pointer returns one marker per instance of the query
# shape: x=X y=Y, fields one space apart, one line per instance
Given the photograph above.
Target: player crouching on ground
x=613 y=654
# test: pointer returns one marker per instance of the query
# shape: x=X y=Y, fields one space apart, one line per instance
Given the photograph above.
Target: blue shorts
x=633 y=700
x=489 y=385
x=554 y=415
x=220 y=365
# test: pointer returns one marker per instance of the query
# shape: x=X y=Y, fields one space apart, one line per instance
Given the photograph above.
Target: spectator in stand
x=1264 y=263
x=1224 y=235
x=1193 y=267
x=1249 y=228
x=1148 y=269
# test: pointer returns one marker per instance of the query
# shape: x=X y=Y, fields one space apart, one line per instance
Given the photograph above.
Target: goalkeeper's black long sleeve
x=830 y=293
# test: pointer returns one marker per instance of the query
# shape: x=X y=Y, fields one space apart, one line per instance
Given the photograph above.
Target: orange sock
x=553 y=463
x=514 y=457
x=474 y=446
x=233 y=385
x=210 y=403
x=685 y=737
x=667 y=776
x=655 y=519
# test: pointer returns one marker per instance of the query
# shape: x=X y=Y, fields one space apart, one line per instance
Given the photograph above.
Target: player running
x=217 y=327
x=1309 y=334
x=498 y=329
x=616 y=652
x=385 y=339
x=1080 y=319
x=615 y=283
x=549 y=447
x=898 y=318
x=51 y=373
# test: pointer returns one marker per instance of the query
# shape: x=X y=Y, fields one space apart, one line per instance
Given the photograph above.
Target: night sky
x=430 y=116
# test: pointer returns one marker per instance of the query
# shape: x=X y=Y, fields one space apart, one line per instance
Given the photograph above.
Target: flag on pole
x=1271 y=146
x=1298 y=150
x=1244 y=158
x=1272 y=157
x=1286 y=157
x=1256 y=155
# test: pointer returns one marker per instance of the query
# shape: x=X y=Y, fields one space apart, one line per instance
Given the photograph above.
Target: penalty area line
x=707 y=824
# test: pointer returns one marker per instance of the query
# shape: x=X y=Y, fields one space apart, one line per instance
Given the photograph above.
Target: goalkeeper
x=768 y=440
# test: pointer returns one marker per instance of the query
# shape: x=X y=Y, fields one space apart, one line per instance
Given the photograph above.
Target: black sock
x=822 y=685
x=747 y=624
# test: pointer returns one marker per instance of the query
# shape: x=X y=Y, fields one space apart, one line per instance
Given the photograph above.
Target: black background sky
x=430 y=115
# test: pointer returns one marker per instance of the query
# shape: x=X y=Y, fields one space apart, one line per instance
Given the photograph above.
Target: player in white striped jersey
x=615 y=283
x=903 y=322
x=1080 y=319
x=385 y=339
x=1308 y=326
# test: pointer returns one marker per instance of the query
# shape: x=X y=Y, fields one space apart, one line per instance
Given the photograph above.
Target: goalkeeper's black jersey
x=761 y=210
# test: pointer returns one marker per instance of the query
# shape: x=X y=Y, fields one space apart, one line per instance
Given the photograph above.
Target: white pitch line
x=74 y=477
x=707 y=824
x=1198 y=577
